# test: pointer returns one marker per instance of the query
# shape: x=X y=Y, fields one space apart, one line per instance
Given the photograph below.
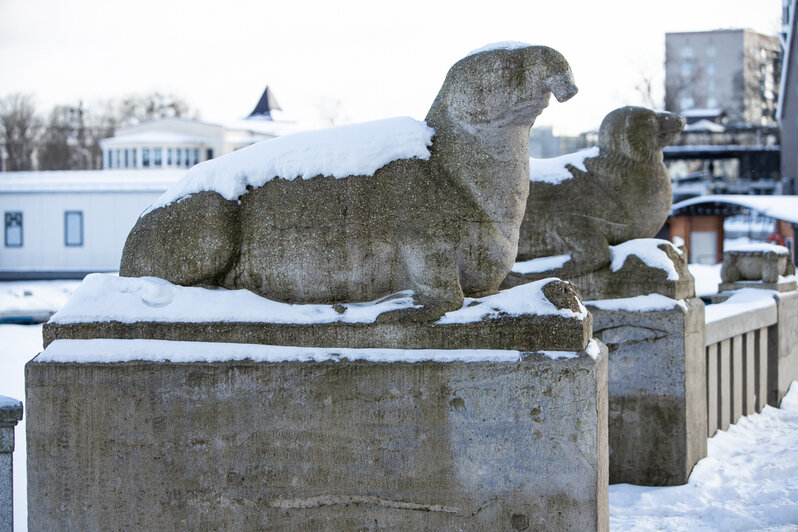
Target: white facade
x=182 y=143
x=67 y=224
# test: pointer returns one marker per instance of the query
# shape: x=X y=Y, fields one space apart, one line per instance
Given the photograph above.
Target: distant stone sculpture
x=621 y=193
x=757 y=266
x=444 y=227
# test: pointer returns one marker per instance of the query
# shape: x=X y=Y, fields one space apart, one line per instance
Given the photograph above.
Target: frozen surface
x=103 y=297
x=650 y=302
x=523 y=299
x=554 y=171
x=743 y=300
x=707 y=278
x=542 y=264
x=354 y=149
x=748 y=481
x=502 y=45
x=648 y=251
x=758 y=247
x=22 y=301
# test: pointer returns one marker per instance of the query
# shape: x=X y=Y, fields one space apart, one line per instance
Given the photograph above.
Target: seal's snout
x=670 y=125
x=562 y=86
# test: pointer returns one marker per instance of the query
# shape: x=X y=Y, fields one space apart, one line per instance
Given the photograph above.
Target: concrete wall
x=347 y=445
x=657 y=398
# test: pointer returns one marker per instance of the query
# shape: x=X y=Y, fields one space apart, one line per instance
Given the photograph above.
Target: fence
x=746 y=357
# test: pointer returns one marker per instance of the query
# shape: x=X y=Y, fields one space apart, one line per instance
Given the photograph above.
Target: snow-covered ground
x=749 y=481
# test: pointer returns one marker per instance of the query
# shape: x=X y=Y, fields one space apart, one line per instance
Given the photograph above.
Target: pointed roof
x=266 y=105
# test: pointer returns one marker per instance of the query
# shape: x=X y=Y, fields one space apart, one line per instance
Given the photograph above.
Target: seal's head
x=639 y=133
x=506 y=83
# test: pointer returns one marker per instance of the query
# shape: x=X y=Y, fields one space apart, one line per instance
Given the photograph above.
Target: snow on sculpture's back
x=436 y=214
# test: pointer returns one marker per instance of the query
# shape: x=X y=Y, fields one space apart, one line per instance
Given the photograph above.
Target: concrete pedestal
x=657 y=397
x=10 y=415
x=342 y=444
x=783 y=348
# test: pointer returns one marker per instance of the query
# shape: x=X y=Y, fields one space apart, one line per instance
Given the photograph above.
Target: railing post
x=10 y=414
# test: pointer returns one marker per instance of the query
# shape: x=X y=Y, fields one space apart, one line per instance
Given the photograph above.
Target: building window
x=686 y=70
x=169 y=156
x=711 y=51
x=686 y=52
x=209 y=154
x=145 y=157
x=157 y=156
x=711 y=85
x=13 y=229
x=73 y=228
x=194 y=156
x=710 y=69
x=712 y=102
x=186 y=157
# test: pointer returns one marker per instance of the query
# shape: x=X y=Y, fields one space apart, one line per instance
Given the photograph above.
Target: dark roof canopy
x=266 y=105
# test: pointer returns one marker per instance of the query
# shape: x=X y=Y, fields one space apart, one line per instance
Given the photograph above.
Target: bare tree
x=71 y=139
x=63 y=144
x=134 y=109
x=20 y=128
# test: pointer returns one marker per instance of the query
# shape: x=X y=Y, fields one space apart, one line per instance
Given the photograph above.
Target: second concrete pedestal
x=657 y=398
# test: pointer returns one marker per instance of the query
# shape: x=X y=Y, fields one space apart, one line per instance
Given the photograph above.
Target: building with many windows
x=182 y=142
x=735 y=71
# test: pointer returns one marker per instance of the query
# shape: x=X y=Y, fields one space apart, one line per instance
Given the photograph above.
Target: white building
x=61 y=225
x=183 y=142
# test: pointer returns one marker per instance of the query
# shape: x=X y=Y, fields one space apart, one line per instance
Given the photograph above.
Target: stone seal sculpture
x=621 y=192
x=443 y=224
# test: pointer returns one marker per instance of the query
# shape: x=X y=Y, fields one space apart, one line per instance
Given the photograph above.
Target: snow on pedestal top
x=355 y=149
x=758 y=247
x=103 y=297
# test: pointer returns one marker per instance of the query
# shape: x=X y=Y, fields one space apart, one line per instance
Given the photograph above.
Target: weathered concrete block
x=783 y=347
x=657 y=390
x=10 y=415
x=342 y=444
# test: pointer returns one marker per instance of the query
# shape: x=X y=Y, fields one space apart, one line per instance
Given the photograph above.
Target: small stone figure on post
x=441 y=221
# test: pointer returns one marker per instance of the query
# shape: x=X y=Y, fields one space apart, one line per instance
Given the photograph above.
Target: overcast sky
x=371 y=58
